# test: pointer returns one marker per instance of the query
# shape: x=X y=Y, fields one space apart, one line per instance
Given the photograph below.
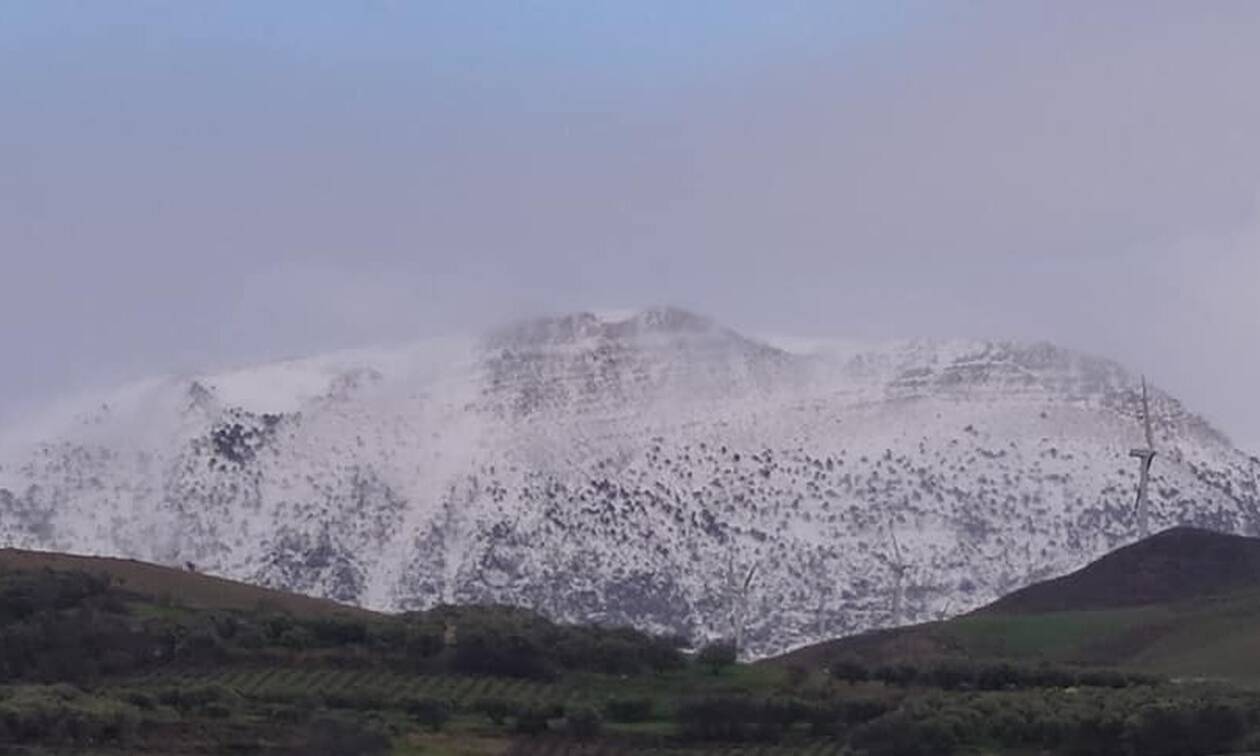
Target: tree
x=629 y=709
x=849 y=670
x=584 y=722
x=495 y=709
x=533 y=720
x=717 y=718
x=796 y=676
x=430 y=712
x=717 y=655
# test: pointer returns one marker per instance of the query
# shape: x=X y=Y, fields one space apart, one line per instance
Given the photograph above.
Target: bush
x=1000 y=677
x=430 y=712
x=899 y=674
x=357 y=699
x=55 y=715
x=717 y=718
x=899 y=734
x=717 y=655
x=495 y=709
x=862 y=710
x=583 y=722
x=217 y=711
x=1172 y=721
x=825 y=720
x=484 y=651
x=849 y=671
x=1095 y=734
x=1103 y=678
x=533 y=720
x=423 y=641
x=777 y=715
x=796 y=676
x=140 y=699
x=663 y=654
x=946 y=676
x=1184 y=729
x=337 y=631
x=961 y=674
x=629 y=710
x=194 y=696
x=288 y=714
x=337 y=737
x=123 y=724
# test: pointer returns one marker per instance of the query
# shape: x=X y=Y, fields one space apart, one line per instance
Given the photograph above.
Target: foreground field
x=132 y=658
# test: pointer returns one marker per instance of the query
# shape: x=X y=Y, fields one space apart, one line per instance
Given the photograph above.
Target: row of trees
x=980 y=675
x=72 y=626
x=1150 y=721
x=741 y=718
x=65 y=715
x=1135 y=722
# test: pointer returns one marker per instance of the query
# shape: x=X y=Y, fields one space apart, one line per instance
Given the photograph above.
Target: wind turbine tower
x=741 y=616
x=1145 y=456
x=899 y=573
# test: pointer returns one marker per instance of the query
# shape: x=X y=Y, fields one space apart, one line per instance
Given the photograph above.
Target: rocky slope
x=654 y=469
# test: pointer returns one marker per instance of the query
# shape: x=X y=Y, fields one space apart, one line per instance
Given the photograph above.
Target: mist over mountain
x=652 y=468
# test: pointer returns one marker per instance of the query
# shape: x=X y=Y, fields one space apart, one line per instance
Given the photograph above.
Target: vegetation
x=90 y=663
x=1183 y=603
x=961 y=674
x=717 y=655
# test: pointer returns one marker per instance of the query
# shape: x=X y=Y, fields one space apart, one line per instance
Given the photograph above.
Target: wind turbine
x=742 y=611
x=1145 y=455
x=899 y=572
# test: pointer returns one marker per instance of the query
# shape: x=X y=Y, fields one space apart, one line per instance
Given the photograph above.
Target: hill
x=124 y=656
x=92 y=663
x=187 y=587
x=628 y=469
x=1183 y=602
x=1179 y=564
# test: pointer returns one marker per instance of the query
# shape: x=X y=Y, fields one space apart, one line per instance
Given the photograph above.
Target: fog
x=187 y=186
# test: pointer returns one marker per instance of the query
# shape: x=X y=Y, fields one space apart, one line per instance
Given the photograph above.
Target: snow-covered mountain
x=654 y=469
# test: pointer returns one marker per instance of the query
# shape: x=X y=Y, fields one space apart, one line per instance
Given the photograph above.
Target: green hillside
x=110 y=656
x=1183 y=603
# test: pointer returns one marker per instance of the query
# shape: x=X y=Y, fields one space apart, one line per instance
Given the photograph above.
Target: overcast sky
x=188 y=184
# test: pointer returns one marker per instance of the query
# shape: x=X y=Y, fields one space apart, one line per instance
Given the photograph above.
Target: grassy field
x=1216 y=637
x=110 y=656
x=1184 y=603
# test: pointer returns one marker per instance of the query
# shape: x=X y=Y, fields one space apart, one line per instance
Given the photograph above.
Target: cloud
x=185 y=188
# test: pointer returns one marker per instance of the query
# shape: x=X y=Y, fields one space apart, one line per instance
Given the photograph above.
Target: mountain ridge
x=631 y=470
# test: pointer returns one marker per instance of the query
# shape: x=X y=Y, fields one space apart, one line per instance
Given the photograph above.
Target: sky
x=187 y=185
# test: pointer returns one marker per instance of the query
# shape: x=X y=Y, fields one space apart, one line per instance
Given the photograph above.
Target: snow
x=594 y=470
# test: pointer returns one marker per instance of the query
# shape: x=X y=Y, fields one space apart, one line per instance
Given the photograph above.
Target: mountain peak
x=628 y=468
x=572 y=328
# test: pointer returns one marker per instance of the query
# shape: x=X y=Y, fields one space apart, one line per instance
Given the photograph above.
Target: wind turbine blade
x=748 y=580
x=896 y=547
x=1146 y=416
